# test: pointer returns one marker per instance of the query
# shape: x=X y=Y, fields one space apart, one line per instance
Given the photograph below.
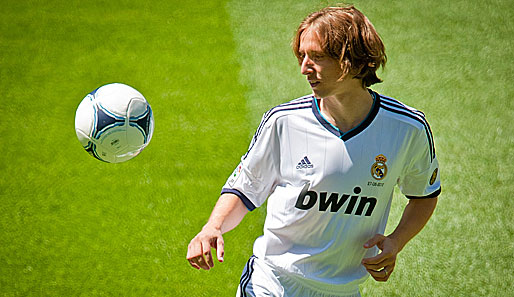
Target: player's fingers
x=198 y=262
x=389 y=270
x=382 y=275
x=194 y=250
x=220 y=249
x=375 y=240
x=207 y=255
x=201 y=262
x=193 y=264
x=195 y=255
x=379 y=258
x=373 y=260
x=379 y=261
x=377 y=275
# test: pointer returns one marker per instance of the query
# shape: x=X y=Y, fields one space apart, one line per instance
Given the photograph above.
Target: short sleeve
x=254 y=178
x=421 y=178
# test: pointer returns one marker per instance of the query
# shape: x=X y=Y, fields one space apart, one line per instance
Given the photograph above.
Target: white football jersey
x=329 y=192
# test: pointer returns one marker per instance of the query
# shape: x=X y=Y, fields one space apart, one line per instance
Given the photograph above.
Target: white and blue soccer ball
x=114 y=123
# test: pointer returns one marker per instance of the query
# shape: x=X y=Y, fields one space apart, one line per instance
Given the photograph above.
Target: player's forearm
x=227 y=214
x=414 y=218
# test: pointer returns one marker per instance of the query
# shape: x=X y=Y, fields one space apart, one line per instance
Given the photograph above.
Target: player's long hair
x=349 y=37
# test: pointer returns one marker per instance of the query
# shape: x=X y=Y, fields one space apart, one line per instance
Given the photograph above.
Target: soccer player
x=327 y=164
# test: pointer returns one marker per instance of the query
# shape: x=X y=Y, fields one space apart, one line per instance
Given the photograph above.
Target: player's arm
x=414 y=218
x=226 y=215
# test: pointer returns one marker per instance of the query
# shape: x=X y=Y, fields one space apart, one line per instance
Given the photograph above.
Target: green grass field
x=73 y=226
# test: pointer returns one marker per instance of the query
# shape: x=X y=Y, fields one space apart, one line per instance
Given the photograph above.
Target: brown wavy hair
x=349 y=37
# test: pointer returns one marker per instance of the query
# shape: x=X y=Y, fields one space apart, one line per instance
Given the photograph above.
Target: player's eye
x=301 y=57
x=317 y=56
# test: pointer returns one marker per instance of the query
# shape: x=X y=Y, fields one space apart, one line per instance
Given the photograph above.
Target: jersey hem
x=348 y=289
x=289 y=279
x=249 y=205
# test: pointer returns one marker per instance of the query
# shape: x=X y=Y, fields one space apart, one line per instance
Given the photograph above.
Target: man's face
x=322 y=71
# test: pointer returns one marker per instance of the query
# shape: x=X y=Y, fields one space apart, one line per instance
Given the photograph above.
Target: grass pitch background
x=73 y=226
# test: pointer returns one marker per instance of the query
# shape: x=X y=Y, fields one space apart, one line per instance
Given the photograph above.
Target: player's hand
x=199 y=249
x=382 y=265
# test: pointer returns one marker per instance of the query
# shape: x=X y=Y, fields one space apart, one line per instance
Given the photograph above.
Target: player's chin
x=318 y=95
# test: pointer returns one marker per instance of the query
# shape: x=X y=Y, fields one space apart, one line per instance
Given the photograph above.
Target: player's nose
x=306 y=66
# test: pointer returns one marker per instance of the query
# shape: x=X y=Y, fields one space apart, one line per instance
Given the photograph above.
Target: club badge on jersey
x=379 y=168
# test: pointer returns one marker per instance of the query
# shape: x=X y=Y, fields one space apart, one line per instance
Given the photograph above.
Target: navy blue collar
x=359 y=128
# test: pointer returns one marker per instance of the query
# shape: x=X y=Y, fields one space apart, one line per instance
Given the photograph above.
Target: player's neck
x=347 y=109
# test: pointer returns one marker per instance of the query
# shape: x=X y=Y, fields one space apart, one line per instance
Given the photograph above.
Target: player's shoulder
x=294 y=107
x=399 y=111
x=406 y=115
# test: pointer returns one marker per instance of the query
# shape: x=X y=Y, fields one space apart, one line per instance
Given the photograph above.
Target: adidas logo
x=304 y=163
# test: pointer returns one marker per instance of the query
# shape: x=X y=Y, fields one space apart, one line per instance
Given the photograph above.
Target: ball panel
x=144 y=123
x=105 y=121
x=113 y=140
x=83 y=137
x=85 y=116
x=116 y=98
x=125 y=157
x=101 y=154
x=91 y=149
x=136 y=137
x=137 y=108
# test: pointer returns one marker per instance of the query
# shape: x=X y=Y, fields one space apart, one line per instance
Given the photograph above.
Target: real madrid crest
x=379 y=168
